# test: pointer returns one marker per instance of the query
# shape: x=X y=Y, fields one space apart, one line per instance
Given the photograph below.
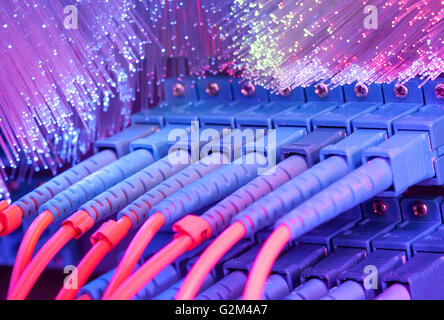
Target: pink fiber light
x=297 y=43
x=65 y=83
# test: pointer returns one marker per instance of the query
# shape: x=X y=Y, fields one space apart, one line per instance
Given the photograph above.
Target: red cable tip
x=10 y=219
x=264 y=262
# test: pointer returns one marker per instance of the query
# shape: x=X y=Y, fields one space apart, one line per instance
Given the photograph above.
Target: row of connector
x=346 y=144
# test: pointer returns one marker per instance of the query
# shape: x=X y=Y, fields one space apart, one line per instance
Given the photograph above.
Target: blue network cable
x=219 y=184
x=111 y=149
x=267 y=209
x=139 y=211
x=28 y=205
x=339 y=159
x=402 y=161
x=69 y=200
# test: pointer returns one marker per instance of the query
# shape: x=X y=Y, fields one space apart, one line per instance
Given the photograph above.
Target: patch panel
x=225 y=177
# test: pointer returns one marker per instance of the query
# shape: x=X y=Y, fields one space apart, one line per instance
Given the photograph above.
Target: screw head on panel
x=379 y=207
x=287 y=92
x=401 y=91
x=248 y=89
x=419 y=209
x=439 y=91
x=178 y=90
x=212 y=89
x=322 y=90
x=361 y=90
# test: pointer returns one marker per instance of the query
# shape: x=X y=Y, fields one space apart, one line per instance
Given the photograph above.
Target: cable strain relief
x=11 y=219
x=197 y=228
x=80 y=221
x=110 y=231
